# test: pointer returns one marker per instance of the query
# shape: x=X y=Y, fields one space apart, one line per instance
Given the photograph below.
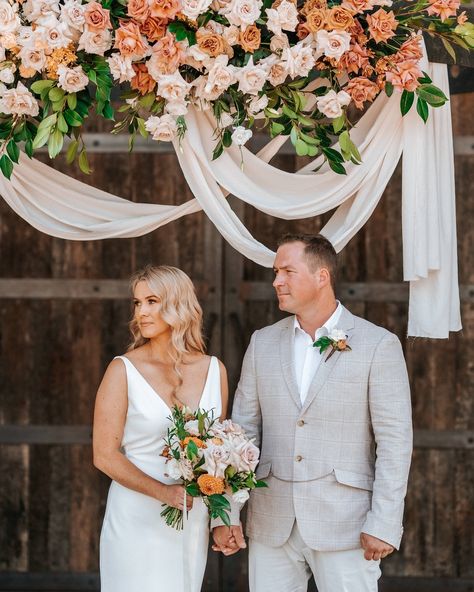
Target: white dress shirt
x=307 y=358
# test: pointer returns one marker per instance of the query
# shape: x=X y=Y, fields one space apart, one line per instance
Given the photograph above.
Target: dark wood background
x=63 y=315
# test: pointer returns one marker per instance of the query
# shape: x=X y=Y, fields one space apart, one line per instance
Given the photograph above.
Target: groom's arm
x=390 y=411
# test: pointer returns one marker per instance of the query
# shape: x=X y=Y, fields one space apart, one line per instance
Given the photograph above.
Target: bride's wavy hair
x=180 y=309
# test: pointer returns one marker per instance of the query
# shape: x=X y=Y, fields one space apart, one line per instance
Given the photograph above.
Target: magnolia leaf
x=72 y=151
x=41 y=85
x=55 y=143
x=84 y=162
x=431 y=94
x=406 y=101
x=62 y=125
x=345 y=144
x=56 y=94
x=312 y=150
x=6 y=166
x=13 y=150
x=72 y=101
x=141 y=127
x=301 y=148
x=41 y=137
x=73 y=118
x=294 y=135
x=338 y=123
x=277 y=128
x=289 y=112
x=309 y=139
x=422 y=109
x=388 y=89
x=29 y=148
x=333 y=155
x=337 y=167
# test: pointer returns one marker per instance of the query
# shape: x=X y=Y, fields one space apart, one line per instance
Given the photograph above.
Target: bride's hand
x=173 y=495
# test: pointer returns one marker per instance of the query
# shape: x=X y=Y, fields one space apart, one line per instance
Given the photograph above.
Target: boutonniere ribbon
x=336 y=340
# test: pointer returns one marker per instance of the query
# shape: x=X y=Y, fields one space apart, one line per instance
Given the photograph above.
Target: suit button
x=300 y=422
x=299 y=458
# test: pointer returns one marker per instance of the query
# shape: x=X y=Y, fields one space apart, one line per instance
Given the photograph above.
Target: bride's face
x=147 y=308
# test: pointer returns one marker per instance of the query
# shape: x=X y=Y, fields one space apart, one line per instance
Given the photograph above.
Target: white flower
x=193 y=8
x=7 y=72
x=252 y=78
x=216 y=459
x=331 y=103
x=3 y=88
x=299 y=60
x=337 y=335
x=279 y=42
x=32 y=58
x=247 y=455
x=241 y=496
x=226 y=119
x=196 y=53
x=179 y=469
x=173 y=87
x=72 y=13
x=220 y=75
x=120 y=67
x=241 y=136
x=72 y=79
x=243 y=12
x=231 y=35
x=19 y=101
x=192 y=427
x=39 y=11
x=284 y=17
x=9 y=19
x=333 y=43
x=277 y=70
x=257 y=104
x=54 y=33
x=162 y=128
x=97 y=42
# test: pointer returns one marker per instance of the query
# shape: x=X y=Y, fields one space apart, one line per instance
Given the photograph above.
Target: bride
x=165 y=365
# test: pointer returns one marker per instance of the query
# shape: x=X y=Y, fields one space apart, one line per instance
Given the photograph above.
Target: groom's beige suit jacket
x=339 y=462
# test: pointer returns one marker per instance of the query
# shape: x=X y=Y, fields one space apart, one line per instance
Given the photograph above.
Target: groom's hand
x=228 y=539
x=374 y=548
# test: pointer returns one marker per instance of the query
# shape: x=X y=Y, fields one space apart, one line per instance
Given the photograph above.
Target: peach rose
x=278 y=73
x=382 y=25
x=166 y=57
x=96 y=17
x=443 y=8
x=129 y=42
x=358 y=6
x=361 y=90
x=356 y=59
x=138 y=10
x=211 y=43
x=165 y=9
x=409 y=50
x=405 y=76
x=153 y=28
x=302 y=31
x=339 y=18
x=250 y=38
x=142 y=81
x=310 y=5
x=316 y=20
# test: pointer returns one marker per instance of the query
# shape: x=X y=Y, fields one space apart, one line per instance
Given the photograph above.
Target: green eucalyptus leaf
x=6 y=166
x=406 y=101
x=431 y=94
x=422 y=109
x=55 y=143
x=56 y=94
x=338 y=124
x=72 y=151
x=62 y=124
x=84 y=162
x=13 y=150
x=301 y=148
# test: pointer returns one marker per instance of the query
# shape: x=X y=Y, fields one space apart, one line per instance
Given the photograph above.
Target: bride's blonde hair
x=180 y=309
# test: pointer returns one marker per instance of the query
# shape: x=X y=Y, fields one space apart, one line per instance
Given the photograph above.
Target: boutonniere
x=336 y=340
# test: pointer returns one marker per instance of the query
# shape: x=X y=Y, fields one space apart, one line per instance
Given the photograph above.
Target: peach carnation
x=382 y=25
x=96 y=17
x=361 y=90
x=210 y=485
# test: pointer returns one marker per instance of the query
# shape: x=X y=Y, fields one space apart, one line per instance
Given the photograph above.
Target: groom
x=335 y=435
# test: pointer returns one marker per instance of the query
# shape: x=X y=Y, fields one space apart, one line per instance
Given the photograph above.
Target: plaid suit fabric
x=339 y=463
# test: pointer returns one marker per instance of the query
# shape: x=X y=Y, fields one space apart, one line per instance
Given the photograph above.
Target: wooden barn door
x=63 y=316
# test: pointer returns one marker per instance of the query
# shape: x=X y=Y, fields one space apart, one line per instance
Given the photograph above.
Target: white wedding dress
x=139 y=552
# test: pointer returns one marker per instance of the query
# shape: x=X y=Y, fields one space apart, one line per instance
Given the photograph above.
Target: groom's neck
x=315 y=316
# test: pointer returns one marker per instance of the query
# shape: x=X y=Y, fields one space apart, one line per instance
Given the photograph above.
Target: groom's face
x=297 y=287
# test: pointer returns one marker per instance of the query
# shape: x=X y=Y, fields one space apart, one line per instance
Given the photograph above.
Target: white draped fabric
x=64 y=207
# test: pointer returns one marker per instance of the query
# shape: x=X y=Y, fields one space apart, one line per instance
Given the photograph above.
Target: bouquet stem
x=173 y=517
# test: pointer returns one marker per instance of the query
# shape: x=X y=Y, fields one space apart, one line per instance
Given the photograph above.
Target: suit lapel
x=346 y=323
x=287 y=360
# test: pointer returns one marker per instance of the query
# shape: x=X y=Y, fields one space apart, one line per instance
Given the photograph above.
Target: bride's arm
x=109 y=421
x=224 y=391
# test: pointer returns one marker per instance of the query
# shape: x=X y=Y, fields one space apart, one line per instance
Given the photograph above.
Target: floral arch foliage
x=204 y=74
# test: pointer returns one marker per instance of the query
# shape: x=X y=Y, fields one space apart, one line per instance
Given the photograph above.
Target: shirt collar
x=329 y=325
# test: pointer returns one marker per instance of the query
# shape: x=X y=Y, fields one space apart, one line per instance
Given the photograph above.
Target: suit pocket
x=263 y=470
x=352 y=479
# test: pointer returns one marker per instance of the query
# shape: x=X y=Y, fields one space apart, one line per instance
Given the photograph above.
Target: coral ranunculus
x=210 y=485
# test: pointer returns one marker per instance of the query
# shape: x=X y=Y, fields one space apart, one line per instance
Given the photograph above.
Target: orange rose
x=357 y=6
x=138 y=10
x=167 y=54
x=302 y=31
x=382 y=25
x=356 y=59
x=250 y=38
x=211 y=43
x=310 y=5
x=316 y=20
x=165 y=9
x=361 y=90
x=96 y=17
x=153 y=28
x=210 y=485
x=405 y=76
x=199 y=443
x=128 y=40
x=142 y=81
x=339 y=18
x=409 y=50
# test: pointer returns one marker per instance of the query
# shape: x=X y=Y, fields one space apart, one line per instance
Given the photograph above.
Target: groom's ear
x=323 y=277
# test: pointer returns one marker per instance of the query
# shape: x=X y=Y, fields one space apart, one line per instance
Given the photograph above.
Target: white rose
x=40 y=11
x=226 y=119
x=241 y=136
x=337 y=334
x=212 y=27
x=3 y=88
x=241 y=496
x=279 y=42
x=19 y=101
x=97 y=42
x=192 y=427
x=231 y=35
x=243 y=12
x=220 y=75
x=278 y=71
x=72 y=12
x=32 y=58
x=9 y=19
x=333 y=43
x=299 y=60
x=193 y=8
x=252 y=78
x=284 y=17
x=173 y=87
x=7 y=72
x=72 y=79
x=331 y=103
x=257 y=104
x=2 y=53
x=120 y=67
x=248 y=455
x=162 y=128
x=54 y=33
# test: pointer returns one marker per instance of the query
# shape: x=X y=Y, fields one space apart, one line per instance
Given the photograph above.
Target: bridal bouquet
x=211 y=458
x=287 y=67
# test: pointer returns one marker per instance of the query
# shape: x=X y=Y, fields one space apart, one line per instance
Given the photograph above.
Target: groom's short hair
x=318 y=250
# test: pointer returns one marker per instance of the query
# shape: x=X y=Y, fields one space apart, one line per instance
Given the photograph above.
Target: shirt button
x=300 y=422
x=299 y=458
